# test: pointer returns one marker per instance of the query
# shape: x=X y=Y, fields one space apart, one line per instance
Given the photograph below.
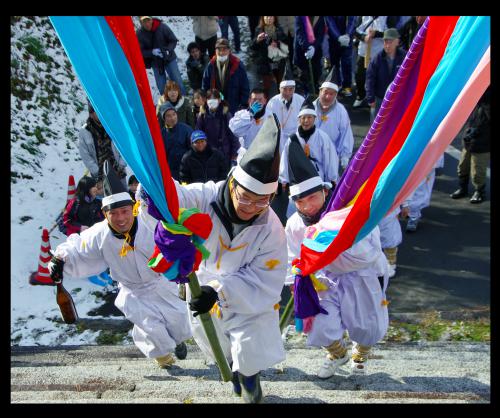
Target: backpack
x=60 y=217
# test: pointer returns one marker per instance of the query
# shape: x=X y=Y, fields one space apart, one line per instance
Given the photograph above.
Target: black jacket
x=259 y=49
x=195 y=69
x=200 y=167
x=477 y=136
x=162 y=37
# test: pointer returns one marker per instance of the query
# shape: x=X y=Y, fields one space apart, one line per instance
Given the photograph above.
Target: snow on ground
x=48 y=106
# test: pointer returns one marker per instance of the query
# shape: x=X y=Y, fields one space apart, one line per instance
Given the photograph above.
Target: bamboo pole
x=208 y=326
x=287 y=314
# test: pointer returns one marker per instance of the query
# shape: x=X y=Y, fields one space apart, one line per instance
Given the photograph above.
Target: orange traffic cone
x=71 y=188
x=42 y=276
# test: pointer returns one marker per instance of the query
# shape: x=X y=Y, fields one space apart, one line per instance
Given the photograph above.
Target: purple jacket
x=216 y=127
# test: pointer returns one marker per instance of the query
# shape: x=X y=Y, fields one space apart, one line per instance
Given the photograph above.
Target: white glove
x=157 y=52
x=309 y=53
x=344 y=161
x=344 y=40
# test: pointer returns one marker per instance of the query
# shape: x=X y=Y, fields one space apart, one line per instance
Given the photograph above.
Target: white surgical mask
x=213 y=103
x=222 y=58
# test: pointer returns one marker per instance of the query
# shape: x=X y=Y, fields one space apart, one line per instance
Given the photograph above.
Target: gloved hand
x=56 y=267
x=344 y=40
x=256 y=107
x=344 y=161
x=157 y=52
x=309 y=53
x=204 y=302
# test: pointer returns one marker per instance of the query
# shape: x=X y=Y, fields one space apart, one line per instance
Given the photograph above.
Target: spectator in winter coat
x=410 y=29
x=226 y=73
x=214 y=121
x=475 y=152
x=84 y=210
x=205 y=33
x=95 y=147
x=132 y=186
x=202 y=163
x=195 y=65
x=382 y=70
x=269 y=36
x=288 y=25
x=176 y=137
x=304 y=50
x=182 y=104
x=157 y=42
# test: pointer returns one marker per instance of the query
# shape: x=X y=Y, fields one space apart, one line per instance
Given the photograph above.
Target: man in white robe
x=242 y=279
x=124 y=243
x=351 y=288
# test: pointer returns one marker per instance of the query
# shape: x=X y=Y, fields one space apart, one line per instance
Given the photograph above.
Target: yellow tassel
x=385 y=302
x=276 y=306
x=318 y=285
x=216 y=310
x=307 y=150
x=324 y=118
x=135 y=210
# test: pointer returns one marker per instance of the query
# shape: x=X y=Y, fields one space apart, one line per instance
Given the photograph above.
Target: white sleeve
x=240 y=123
x=346 y=141
x=330 y=159
x=82 y=252
x=293 y=241
x=283 y=176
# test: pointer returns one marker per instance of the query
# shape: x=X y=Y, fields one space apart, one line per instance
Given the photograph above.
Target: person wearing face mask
x=226 y=73
x=214 y=120
x=351 y=289
x=246 y=123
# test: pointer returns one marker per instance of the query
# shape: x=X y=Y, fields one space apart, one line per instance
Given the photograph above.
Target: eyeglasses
x=242 y=201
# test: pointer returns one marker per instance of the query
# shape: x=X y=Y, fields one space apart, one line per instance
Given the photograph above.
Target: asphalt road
x=445 y=264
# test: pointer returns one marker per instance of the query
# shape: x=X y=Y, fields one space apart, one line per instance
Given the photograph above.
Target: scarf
x=306 y=134
x=311 y=220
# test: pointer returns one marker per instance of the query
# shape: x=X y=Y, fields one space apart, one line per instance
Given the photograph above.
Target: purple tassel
x=153 y=211
x=306 y=301
x=176 y=247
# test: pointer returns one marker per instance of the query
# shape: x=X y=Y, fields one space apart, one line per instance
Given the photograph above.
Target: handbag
x=276 y=54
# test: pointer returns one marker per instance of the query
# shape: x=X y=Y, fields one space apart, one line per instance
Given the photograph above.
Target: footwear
x=359 y=358
x=329 y=367
x=357 y=103
x=358 y=368
x=181 y=351
x=164 y=362
x=250 y=388
x=477 y=197
x=459 y=193
x=411 y=226
x=346 y=92
x=236 y=384
x=392 y=270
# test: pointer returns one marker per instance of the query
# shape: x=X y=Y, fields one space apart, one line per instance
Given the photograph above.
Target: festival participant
x=242 y=279
x=123 y=242
x=351 y=289
x=333 y=119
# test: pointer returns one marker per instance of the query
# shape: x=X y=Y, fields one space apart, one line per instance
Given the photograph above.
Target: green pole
x=208 y=326
x=287 y=314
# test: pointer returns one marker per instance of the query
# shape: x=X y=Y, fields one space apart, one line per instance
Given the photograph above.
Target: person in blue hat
x=202 y=163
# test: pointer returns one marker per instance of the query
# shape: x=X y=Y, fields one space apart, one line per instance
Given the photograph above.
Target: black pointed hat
x=303 y=176
x=307 y=107
x=258 y=170
x=115 y=193
x=288 y=79
x=330 y=81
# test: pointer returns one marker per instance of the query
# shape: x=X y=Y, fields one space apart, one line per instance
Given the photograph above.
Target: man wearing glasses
x=242 y=279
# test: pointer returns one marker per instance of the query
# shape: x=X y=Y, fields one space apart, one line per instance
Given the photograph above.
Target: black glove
x=204 y=302
x=56 y=267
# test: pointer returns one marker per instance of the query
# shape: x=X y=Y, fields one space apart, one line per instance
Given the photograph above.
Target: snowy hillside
x=48 y=106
